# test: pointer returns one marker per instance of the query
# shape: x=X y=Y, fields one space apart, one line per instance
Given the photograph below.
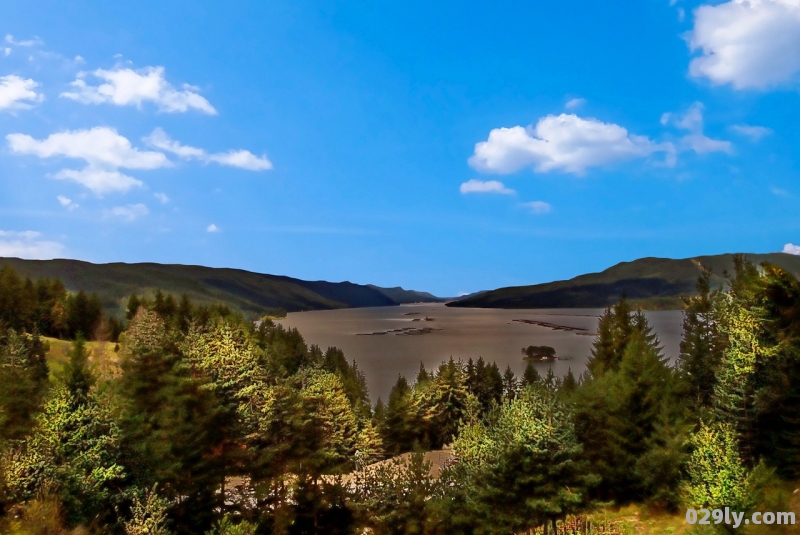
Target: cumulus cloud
x=488 y=186
x=67 y=203
x=18 y=93
x=103 y=149
x=243 y=159
x=750 y=44
x=212 y=228
x=162 y=197
x=565 y=143
x=99 y=146
x=128 y=212
x=28 y=244
x=538 y=207
x=128 y=87
x=696 y=140
x=575 y=103
x=791 y=248
x=753 y=132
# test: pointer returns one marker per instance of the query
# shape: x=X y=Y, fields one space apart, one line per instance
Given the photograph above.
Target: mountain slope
x=250 y=293
x=402 y=297
x=650 y=282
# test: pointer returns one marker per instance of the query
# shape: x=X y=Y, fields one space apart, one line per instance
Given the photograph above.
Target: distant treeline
x=44 y=306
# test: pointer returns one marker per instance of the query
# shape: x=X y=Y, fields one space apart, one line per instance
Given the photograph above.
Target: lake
x=387 y=341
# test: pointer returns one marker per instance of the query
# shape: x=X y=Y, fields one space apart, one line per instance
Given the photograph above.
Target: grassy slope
x=102 y=356
x=651 y=282
x=242 y=290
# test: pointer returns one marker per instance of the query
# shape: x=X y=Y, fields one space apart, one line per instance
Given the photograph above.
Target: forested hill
x=654 y=283
x=248 y=292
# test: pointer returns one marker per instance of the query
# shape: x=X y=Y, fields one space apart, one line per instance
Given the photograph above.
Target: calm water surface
x=461 y=333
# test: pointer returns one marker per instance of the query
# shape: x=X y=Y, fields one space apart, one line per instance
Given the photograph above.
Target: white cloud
x=26 y=43
x=212 y=228
x=538 y=207
x=753 y=132
x=162 y=197
x=488 y=186
x=99 y=146
x=565 y=143
x=242 y=159
x=127 y=87
x=99 y=181
x=26 y=244
x=692 y=121
x=129 y=212
x=18 y=93
x=575 y=103
x=67 y=203
x=103 y=150
x=160 y=140
x=750 y=44
x=681 y=14
x=791 y=248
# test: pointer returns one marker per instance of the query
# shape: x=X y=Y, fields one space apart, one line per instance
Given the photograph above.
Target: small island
x=538 y=353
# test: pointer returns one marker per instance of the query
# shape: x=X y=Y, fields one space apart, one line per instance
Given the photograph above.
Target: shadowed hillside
x=655 y=283
x=248 y=292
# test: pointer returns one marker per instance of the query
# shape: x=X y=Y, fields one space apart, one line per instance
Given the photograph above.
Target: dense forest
x=206 y=423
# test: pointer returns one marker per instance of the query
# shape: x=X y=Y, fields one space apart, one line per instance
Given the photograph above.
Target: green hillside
x=655 y=283
x=250 y=293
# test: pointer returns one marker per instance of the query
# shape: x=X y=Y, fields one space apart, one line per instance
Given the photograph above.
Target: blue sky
x=447 y=147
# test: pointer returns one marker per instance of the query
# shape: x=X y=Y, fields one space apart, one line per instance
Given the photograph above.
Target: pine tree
x=78 y=377
x=702 y=344
x=174 y=427
x=422 y=374
x=400 y=432
x=510 y=384
x=23 y=379
x=531 y=375
x=524 y=470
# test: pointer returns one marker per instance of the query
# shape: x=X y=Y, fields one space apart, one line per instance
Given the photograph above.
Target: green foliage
x=530 y=376
x=523 y=469
x=148 y=515
x=717 y=477
x=173 y=426
x=78 y=378
x=227 y=526
x=629 y=414
x=76 y=449
x=703 y=342
x=23 y=379
x=392 y=498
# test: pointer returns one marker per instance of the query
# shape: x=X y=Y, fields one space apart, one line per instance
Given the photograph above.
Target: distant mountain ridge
x=654 y=283
x=245 y=291
x=404 y=297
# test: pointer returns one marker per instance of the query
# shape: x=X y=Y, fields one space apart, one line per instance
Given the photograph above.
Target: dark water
x=461 y=333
